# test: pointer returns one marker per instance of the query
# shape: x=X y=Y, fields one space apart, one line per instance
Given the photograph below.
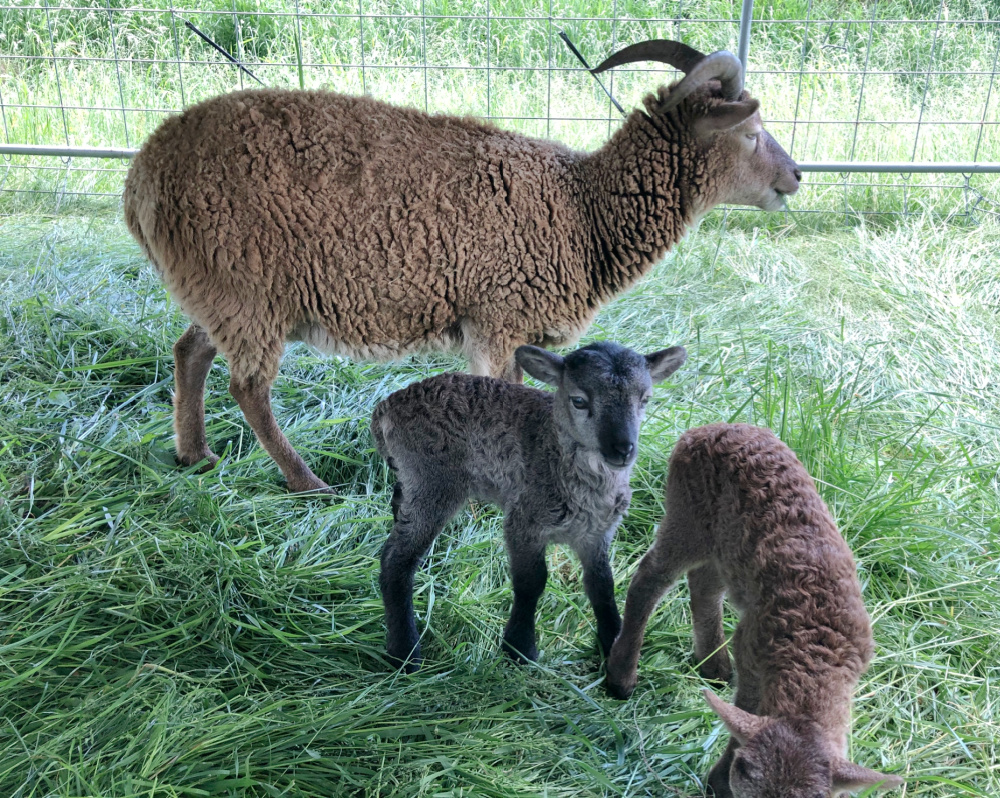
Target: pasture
x=168 y=633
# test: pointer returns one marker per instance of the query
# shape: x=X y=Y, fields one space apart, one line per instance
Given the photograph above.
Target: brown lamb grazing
x=744 y=519
x=373 y=231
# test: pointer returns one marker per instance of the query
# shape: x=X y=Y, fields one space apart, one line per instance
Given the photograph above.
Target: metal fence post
x=746 y=17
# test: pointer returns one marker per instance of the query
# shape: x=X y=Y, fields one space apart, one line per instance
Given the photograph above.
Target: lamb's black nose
x=620 y=453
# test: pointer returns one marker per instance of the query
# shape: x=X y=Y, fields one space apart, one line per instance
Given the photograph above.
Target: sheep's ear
x=540 y=363
x=848 y=777
x=742 y=725
x=665 y=362
x=726 y=116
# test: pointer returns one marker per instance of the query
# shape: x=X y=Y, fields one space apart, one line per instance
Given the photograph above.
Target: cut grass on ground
x=167 y=633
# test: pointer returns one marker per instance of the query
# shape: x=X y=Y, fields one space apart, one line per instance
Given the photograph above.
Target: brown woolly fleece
x=374 y=231
x=744 y=519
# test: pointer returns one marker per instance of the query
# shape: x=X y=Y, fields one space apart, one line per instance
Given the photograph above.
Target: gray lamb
x=558 y=465
x=744 y=519
x=374 y=232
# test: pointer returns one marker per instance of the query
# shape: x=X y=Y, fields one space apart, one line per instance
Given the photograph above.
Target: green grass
x=905 y=67
x=168 y=633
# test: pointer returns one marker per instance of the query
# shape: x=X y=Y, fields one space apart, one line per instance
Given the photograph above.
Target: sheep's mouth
x=778 y=202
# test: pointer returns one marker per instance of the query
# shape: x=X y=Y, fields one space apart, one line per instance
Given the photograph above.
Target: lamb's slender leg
x=528 y=576
x=420 y=513
x=681 y=544
x=710 y=651
x=193 y=355
x=254 y=397
x=650 y=582
x=599 y=583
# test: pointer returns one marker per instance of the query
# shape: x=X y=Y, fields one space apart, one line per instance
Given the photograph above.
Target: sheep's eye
x=644 y=401
x=579 y=402
x=752 y=136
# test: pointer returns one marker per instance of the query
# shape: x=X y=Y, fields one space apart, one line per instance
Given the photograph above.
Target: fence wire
x=884 y=82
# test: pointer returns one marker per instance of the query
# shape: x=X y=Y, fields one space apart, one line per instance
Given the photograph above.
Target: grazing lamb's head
x=781 y=758
x=602 y=393
x=712 y=114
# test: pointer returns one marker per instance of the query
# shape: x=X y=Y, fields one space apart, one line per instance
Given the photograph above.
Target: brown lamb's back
x=744 y=519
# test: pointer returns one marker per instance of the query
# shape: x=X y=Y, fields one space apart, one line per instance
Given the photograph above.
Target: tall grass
x=101 y=74
x=169 y=633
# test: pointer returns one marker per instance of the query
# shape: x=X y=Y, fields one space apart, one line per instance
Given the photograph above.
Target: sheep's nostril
x=623 y=451
x=798 y=175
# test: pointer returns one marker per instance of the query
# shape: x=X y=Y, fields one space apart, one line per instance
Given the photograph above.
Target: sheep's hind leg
x=710 y=651
x=254 y=398
x=193 y=355
x=419 y=513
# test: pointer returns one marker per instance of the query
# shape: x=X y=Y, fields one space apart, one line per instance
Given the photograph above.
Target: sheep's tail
x=140 y=208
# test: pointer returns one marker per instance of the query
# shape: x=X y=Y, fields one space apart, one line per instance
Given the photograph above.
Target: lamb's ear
x=848 y=777
x=665 y=362
x=726 y=116
x=540 y=363
x=742 y=725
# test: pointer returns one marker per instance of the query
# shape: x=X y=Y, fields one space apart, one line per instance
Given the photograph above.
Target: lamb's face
x=789 y=758
x=603 y=390
x=603 y=400
x=782 y=761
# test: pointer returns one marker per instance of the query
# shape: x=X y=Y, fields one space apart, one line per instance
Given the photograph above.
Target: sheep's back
x=385 y=226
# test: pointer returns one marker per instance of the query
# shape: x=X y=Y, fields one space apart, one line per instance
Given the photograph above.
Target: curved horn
x=677 y=54
x=697 y=68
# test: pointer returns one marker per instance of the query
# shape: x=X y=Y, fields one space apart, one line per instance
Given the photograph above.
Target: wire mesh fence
x=883 y=82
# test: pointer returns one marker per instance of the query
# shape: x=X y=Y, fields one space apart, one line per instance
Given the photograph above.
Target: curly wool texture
x=803 y=632
x=375 y=231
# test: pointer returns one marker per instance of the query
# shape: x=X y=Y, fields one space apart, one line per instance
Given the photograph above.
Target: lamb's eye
x=644 y=401
x=579 y=402
x=752 y=137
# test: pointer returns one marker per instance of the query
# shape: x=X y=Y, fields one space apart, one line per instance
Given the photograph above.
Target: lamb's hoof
x=208 y=456
x=405 y=664
x=619 y=689
x=717 y=669
x=520 y=655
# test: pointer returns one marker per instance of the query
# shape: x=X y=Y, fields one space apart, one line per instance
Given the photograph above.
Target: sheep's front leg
x=420 y=513
x=193 y=355
x=654 y=575
x=526 y=554
x=254 y=398
x=599 y=584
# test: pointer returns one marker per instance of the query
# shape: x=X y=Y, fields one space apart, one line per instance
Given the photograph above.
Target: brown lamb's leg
x=253 y=394
x=647 y=587
x=710 y=651
x=193 y=355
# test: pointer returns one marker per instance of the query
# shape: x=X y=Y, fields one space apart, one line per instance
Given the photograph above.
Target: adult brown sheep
x=374 y=231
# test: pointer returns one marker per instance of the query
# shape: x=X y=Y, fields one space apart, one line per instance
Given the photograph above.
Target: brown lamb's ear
x=848 y=777
x=726 y=116
x=741 y=724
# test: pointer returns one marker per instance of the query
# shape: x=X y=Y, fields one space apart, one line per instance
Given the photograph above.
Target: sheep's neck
x=639 y=193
